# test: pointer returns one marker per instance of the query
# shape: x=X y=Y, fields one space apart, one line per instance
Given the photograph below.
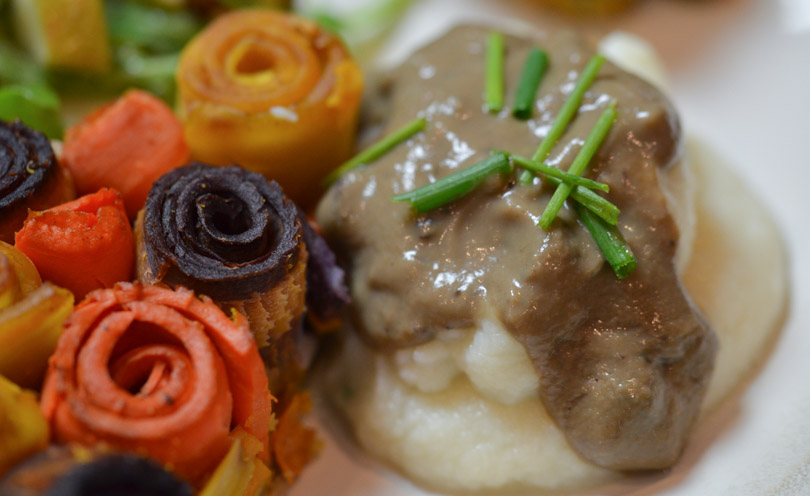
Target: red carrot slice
x=81 y=245
x=160 y=372
x=126 y=145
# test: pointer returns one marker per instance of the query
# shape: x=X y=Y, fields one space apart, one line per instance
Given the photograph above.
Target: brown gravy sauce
x=623 y=364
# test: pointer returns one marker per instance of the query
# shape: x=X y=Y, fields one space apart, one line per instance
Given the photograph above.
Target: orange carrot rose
x=125 y=145
x=81 y=245
x=159 y=372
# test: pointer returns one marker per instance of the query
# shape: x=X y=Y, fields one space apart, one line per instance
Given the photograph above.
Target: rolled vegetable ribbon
x=23 y=430
x=161 y=372
x=31 y=316
x=83 y=245
x=78 y=471
x=230 y=234
x=18 y=275
x=272 y=92
x=126 y=145
x=30 y=177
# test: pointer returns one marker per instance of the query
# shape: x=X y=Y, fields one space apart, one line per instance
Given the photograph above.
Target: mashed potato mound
x=462 y=412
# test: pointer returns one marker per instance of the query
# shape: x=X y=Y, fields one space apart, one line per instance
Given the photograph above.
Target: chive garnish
x=593 y=202
x=495 y=70
x=567 y=112
x=581 y=193
x=548 y=170
x=455 y=185
x=583 y=158
x=610 y=241
x=378 y=149
x=533 y=71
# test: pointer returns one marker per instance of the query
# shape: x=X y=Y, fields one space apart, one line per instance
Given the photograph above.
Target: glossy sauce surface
x=623 y=365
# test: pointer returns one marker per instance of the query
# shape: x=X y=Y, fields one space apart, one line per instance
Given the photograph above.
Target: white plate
x=740 y=75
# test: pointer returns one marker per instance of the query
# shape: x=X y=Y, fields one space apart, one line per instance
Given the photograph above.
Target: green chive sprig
x=533 y=71
x=610 y=241
x=606 y=210
x=378 y=149
x=495 y=72
x=567 y=112
x=454 y=186
x=583 y=158
x=582 y=191
x=548 y=170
